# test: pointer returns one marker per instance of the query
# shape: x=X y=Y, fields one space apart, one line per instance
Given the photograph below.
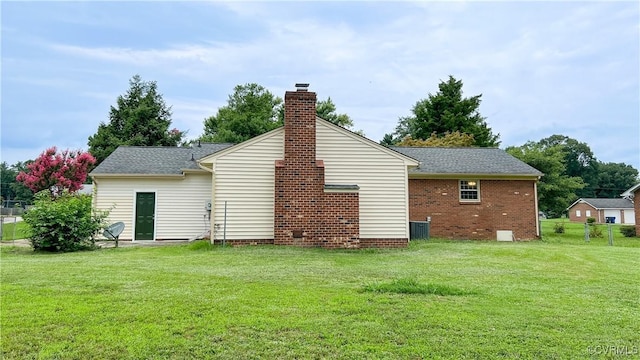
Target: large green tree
x=140 y=117
x=579 y=162
x=251 y=110
x=445 y=112
x=556 y=190
x=614 y=179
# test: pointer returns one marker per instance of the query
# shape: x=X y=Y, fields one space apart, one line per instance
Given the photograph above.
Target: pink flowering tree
x=57 y=171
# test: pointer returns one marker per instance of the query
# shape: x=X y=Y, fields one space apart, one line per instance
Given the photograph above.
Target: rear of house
x=312 y=183
x=309 y=183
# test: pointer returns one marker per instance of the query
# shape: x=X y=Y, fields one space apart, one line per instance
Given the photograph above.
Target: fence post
x=610 y=231
x=586 y=232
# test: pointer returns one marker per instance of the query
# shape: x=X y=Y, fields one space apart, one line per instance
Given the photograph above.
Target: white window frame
x=469 y=187
x=587 y=213
x=578 y=213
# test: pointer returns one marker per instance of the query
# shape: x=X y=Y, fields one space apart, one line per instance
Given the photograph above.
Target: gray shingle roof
x=472 y=161
x=155 y=160
x=608 y=203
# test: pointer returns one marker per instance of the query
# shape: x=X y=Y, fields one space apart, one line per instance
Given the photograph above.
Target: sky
x=542 y=67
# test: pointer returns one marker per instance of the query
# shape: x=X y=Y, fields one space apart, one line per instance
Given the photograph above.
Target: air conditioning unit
x=207 y=205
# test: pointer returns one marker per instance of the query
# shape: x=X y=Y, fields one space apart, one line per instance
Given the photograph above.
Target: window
x=469 y=190
x=578 y=214
x=587 y=213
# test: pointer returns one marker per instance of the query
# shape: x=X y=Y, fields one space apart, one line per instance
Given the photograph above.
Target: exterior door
x=145 y=215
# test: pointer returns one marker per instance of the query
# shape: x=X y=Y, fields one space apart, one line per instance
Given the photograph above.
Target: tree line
x=447 y=118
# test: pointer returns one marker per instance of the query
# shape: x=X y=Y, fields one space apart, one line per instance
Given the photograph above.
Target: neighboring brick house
x=618 y=211
x=312 y=183
x=472 y=193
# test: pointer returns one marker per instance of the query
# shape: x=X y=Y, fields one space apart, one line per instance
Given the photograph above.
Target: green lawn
x=574 y=234
x=436 y=299
x=13 y=230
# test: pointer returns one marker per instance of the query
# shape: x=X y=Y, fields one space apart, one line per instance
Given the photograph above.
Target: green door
x=145 y=211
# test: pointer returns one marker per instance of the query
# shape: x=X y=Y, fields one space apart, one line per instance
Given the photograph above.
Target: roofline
x=631 y=190
x=232 y=148
x=168 y=176
x=474 y=176
x=600 y=208
x=351 y=134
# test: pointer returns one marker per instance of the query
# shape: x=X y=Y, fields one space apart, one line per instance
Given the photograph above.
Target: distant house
x=312 y=183
x=618 y=211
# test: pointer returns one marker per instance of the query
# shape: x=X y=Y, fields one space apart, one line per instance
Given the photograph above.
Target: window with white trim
x=469 y=190
x=587 y=213
x=578 y=213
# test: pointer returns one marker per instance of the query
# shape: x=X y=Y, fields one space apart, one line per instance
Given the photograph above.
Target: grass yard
x=13 y=230
x=574 y=234
x=436 y=299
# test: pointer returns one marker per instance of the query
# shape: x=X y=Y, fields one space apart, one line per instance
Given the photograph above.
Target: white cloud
x=541 y=66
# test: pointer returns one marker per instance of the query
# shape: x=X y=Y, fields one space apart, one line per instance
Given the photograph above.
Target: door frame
x=135 y=215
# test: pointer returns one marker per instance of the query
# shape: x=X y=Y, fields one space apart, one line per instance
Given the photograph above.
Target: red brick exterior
x=304 y=215
x=583 y=207
x=504 y=205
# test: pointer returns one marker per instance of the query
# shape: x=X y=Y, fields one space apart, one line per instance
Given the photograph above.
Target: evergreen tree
x=446 y=112
x=140 y=117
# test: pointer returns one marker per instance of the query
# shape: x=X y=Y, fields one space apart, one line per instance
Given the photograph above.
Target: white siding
x=245 y=179
x=382 y=178
x=629 y=217
x=180 y=212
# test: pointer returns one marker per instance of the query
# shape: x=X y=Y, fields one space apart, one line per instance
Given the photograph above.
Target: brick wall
x=583 y=213
x=304 y=215
x=504 y=205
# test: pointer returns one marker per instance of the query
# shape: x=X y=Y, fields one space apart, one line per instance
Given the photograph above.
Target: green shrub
x=591 y=220
x=201 y=245
x=63 y=223
x=628 y=230
x=558 y=228
x=595 y=231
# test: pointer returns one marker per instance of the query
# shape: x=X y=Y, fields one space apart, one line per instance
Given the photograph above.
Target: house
x=634 y=193
x=473 y=193
x=312 y=183
x=618 y=211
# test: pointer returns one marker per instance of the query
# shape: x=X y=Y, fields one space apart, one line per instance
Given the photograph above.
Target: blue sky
x=542 y=67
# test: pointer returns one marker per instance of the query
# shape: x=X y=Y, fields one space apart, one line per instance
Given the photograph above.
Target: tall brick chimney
x=303 y=214
x=300 y=125
x=299 y=181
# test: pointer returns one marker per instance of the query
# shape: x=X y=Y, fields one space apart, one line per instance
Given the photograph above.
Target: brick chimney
x=300 y=125
x=304 y=214
x=299 y=181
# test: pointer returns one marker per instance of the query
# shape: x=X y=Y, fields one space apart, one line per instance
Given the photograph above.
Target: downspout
x=535 y=191
x=212 y=216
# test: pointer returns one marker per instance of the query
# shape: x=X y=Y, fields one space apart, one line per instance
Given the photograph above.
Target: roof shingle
x=619 y=203
x=155 y=160
x=472 y=161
